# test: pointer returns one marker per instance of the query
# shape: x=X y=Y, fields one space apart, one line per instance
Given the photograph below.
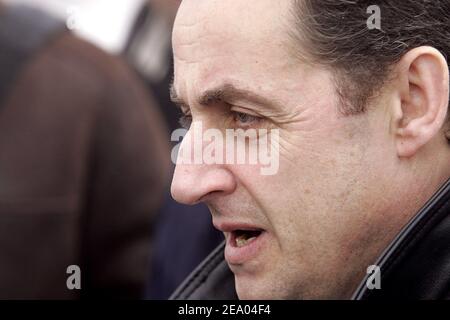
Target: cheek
x=315 y=186
x=284 y=199
x=319 y=181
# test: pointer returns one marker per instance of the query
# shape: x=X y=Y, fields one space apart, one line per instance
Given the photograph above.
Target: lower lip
x=235 y=255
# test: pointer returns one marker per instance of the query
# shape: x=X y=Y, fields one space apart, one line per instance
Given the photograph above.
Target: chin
x=253 y=295
x=251 y=289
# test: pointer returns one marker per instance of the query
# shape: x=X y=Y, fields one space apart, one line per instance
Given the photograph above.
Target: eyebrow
x=226 y=93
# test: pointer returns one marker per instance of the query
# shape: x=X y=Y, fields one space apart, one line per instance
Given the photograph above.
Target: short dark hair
x=335 y=34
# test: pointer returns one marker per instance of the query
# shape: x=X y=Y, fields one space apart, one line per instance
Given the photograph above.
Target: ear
x=423 y=85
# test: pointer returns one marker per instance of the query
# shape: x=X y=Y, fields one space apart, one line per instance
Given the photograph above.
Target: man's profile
x=363 y=151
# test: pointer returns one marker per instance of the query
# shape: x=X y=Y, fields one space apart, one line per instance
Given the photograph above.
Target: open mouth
x=242 y=238
x=244 y=245
x=244 y=242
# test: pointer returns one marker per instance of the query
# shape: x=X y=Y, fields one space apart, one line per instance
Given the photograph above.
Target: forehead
x=247 y=19
x=216 y=40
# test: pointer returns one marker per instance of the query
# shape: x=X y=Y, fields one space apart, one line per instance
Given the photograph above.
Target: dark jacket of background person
x=83 y=165
x=184 y=235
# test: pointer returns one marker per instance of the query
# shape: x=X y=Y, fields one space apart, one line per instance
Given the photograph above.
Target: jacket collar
x=416 y=265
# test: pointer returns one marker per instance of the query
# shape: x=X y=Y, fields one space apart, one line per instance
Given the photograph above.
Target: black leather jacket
x=416 y=265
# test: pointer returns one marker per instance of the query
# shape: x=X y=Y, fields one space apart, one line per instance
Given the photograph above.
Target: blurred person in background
x=83 y=164
x=184 y=234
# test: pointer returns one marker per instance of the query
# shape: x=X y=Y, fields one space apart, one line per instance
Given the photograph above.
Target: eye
x=185 y=121
x=245 y=119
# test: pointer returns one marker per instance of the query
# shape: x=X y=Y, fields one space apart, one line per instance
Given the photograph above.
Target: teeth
x=242 y=241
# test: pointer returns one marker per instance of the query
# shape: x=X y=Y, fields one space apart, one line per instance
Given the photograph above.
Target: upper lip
x=233 y=226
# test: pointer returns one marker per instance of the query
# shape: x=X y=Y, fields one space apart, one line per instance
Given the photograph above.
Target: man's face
x=319 y=221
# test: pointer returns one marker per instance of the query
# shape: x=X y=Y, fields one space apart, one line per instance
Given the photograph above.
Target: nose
x=192 y=183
